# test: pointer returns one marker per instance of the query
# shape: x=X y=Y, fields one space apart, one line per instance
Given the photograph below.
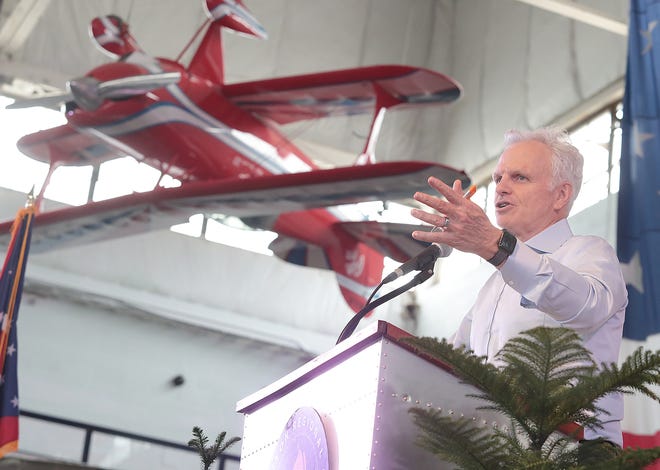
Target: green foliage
x=546 y=380
x=209 y=454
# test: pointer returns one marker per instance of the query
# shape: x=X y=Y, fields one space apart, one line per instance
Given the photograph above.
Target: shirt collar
x=551 y=238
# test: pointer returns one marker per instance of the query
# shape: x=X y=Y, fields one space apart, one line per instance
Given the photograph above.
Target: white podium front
x=347 y=409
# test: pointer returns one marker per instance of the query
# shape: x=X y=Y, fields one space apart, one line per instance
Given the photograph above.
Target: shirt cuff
x=522 y=269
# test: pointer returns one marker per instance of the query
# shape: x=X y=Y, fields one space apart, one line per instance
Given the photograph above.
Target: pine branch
x=636 y=373
x=497 y=390
x=459 y=441
x=465 y=365
x=598 y=456
x=501 y=392
x=544 y=362
x=209 y=454
x=630 y=460
x=547 y=379
x=219 y=447
x=199 y=441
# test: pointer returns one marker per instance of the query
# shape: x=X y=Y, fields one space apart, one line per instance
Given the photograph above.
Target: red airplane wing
x=342 y=92
x=65 y=144
x=163 y=207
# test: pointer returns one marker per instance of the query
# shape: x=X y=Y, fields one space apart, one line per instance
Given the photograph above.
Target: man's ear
x=563 y=195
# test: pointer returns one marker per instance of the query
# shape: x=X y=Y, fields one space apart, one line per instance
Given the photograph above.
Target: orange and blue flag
x=11 y=287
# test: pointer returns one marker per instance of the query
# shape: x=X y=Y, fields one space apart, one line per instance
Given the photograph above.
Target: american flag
x=11 y=287
x=638 y=240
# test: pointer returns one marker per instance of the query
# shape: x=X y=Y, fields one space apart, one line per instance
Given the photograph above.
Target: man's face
x=525 y=201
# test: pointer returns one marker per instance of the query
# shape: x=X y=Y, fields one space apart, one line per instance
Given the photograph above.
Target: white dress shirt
x=555 y=279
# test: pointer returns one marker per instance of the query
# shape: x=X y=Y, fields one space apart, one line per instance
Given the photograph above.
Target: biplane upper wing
x=64 y=144
x=342 y=92
x=268 y=195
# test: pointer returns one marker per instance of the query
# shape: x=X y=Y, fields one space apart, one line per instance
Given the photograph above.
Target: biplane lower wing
x=254 y=197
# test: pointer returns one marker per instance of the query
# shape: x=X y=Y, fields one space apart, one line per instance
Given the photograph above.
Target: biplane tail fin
x=358 y=267
x=356 y=255
x=232 y=14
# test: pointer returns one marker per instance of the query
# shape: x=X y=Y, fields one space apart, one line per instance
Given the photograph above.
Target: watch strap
x=499 y=257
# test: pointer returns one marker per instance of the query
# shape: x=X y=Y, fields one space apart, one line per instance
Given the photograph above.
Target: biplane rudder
x=232 y=14
x=357 y=267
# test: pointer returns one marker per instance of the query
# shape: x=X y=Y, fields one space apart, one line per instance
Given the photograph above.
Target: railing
x=90 y=429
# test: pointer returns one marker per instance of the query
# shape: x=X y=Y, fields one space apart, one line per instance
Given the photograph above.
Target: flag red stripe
x=643 y=441
x=8 y=434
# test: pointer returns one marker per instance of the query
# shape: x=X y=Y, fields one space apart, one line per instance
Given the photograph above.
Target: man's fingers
x=432 y=201
x=424 y=236
x=451 y=194
x=424 y=216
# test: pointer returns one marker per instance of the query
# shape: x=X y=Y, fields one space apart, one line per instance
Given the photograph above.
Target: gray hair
x=567 y=161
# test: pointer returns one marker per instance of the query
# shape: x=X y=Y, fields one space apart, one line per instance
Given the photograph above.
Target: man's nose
x=502 y=186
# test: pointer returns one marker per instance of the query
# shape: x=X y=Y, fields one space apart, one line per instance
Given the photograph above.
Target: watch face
x=507 y=242
x=303 y=444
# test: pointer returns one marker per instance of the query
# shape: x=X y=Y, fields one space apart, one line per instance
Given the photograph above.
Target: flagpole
x=24 y=215
x=11 y=286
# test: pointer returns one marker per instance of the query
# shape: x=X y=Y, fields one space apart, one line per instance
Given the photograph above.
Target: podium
x=348 y=409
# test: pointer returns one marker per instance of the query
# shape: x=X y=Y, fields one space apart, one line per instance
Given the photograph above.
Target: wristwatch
x=505 y=246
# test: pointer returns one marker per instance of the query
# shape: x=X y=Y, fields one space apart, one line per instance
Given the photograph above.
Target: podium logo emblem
x=303 y=444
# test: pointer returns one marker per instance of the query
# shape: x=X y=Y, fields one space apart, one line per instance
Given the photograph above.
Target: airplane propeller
x=89 y=93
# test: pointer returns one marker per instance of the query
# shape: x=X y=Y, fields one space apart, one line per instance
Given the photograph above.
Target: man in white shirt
x=545 y=275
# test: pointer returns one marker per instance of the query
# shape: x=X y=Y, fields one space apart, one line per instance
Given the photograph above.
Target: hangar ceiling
x=522 y=63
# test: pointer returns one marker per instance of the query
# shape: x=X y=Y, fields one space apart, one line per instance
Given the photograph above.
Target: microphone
x=420 y=261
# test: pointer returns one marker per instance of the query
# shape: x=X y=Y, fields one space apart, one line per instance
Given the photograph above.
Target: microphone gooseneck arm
x=353 y=322
x=419 y=261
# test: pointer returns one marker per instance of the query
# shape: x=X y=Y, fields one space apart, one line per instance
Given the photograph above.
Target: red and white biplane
x=222 y=142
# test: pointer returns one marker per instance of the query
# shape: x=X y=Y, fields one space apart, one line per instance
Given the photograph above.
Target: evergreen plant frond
x=497 y=390
x=518 y=454
x=635 y=374
x=470 y=369
x=465 y=365
x=631 y=459
x=208 y=454
x=561 y=450
x=460 y=441
x=463 y=442
x=546 y=379
x=199 y=440
x=552 y=357
x=221 y=445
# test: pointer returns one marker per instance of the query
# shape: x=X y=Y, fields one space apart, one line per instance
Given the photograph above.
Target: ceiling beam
x=581 y=13
x=20 y=23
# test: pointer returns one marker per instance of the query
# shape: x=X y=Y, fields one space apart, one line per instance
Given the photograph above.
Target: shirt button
x=511 y=283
